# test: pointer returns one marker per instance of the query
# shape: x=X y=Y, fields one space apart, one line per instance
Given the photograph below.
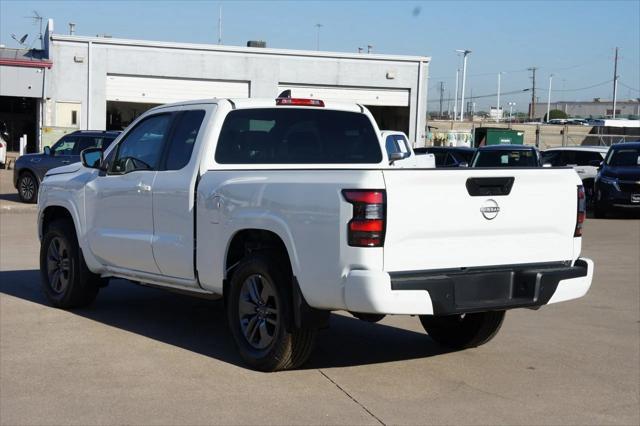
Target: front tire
x=28 y=188
x=465 y=330
x=259 y=312
x=66 y=280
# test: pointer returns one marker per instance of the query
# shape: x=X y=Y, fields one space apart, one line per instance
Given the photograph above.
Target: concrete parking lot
x=146 y=356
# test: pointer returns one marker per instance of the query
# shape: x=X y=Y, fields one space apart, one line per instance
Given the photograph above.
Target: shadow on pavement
x=622 y=213
x=199 y=325
x=10 y=197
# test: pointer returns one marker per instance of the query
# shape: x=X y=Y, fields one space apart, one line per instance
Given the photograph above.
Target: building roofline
x=238 y=49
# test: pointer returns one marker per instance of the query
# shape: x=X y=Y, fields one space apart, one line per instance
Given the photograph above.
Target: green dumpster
x=497 y=136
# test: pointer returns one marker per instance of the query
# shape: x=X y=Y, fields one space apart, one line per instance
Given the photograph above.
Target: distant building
x=597 y=108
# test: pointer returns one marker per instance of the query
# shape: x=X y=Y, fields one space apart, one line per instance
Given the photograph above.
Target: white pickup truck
x=289 y=209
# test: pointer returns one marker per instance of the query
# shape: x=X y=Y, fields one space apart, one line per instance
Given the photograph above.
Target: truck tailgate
x=433 y=222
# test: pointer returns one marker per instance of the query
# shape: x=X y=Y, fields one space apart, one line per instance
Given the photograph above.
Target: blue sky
x=572 y=39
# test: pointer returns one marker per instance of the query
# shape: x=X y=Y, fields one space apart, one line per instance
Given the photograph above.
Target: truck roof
x=244 y=103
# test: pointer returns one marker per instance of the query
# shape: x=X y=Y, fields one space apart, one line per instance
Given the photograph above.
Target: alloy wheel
x=58 y=265
x=258 y=311
x=27 y=187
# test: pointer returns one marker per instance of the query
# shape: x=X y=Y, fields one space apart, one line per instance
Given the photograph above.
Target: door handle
x=142 y=187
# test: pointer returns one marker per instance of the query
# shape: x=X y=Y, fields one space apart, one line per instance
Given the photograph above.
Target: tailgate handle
x=481 y=187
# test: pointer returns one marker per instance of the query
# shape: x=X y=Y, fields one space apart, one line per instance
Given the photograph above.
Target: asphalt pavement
x=147 y=356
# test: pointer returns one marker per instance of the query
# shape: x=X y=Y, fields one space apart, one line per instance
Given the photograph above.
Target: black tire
x=284 y=346
x=368 y=317
x=463 y=331
x=28 y=188
x=589 y=193
x=75 y=285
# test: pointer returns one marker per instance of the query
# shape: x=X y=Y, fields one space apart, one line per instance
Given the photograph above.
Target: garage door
x=382 y=97
x=159 y=90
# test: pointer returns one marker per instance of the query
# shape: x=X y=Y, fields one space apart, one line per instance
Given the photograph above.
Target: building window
x=74 y=118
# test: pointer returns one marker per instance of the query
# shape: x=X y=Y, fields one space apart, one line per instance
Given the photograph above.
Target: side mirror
x=463 y=164
x=91 y=157
x=395 y=156
x=546 y=165
x=47 y=150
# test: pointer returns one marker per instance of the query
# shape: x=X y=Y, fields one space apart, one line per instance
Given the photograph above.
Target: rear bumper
x=447 y=292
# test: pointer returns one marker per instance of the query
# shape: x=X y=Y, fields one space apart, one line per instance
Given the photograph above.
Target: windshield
x=505 y=158
x=624 y=157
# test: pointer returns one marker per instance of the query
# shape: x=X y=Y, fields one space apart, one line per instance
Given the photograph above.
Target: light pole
x=511 y=105
x=455 y=105
x=464 y=52
x=549 y=97
x=498 y=115
x=318 y=26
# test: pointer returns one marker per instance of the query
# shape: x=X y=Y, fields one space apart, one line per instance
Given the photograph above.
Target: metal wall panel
x=159 y=90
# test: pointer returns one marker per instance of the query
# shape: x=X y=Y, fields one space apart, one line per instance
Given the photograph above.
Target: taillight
x=366 y=228
x=299 y=102
x=582 y=211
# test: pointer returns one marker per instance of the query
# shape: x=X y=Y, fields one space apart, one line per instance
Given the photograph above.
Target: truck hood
x=69 y=168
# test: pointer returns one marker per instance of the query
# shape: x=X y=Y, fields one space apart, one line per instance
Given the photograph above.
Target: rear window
x=515 y=158
x=291 y=136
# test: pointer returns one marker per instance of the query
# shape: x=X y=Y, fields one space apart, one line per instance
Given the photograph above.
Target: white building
x=104 y=83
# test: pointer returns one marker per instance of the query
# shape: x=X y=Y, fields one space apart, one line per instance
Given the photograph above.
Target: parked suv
x=29 y=169
x=618 y=180
x=585 y=160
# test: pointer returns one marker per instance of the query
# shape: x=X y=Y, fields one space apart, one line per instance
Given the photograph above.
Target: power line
x=628 y=87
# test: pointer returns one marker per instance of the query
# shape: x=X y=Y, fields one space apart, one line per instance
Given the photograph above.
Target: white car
x=289 y=209
x=585 y=160
x=401 y=153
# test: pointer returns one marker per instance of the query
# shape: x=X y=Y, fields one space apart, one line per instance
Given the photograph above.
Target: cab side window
x=183 y=139
x=142 y=148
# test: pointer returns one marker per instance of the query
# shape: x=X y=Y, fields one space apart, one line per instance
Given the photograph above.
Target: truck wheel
x=259 y=313
x=368 y=317
x=28 y=188
x=66 y=280
x=465 y=330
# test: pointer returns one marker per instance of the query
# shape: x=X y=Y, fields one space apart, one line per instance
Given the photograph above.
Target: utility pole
x=220 y=25
x=441 y=94
x=318 y=26
x=615 y=84
x=549 y=97
x=465 y=53
x=532 y=109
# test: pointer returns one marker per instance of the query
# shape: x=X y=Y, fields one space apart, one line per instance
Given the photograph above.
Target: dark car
x=506 y=156
x=618 y=180
x=29 y=169
x=448 y=156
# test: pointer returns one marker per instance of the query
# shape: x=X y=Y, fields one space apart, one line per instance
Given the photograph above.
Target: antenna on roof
x=21 y=40
x=37 y=19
